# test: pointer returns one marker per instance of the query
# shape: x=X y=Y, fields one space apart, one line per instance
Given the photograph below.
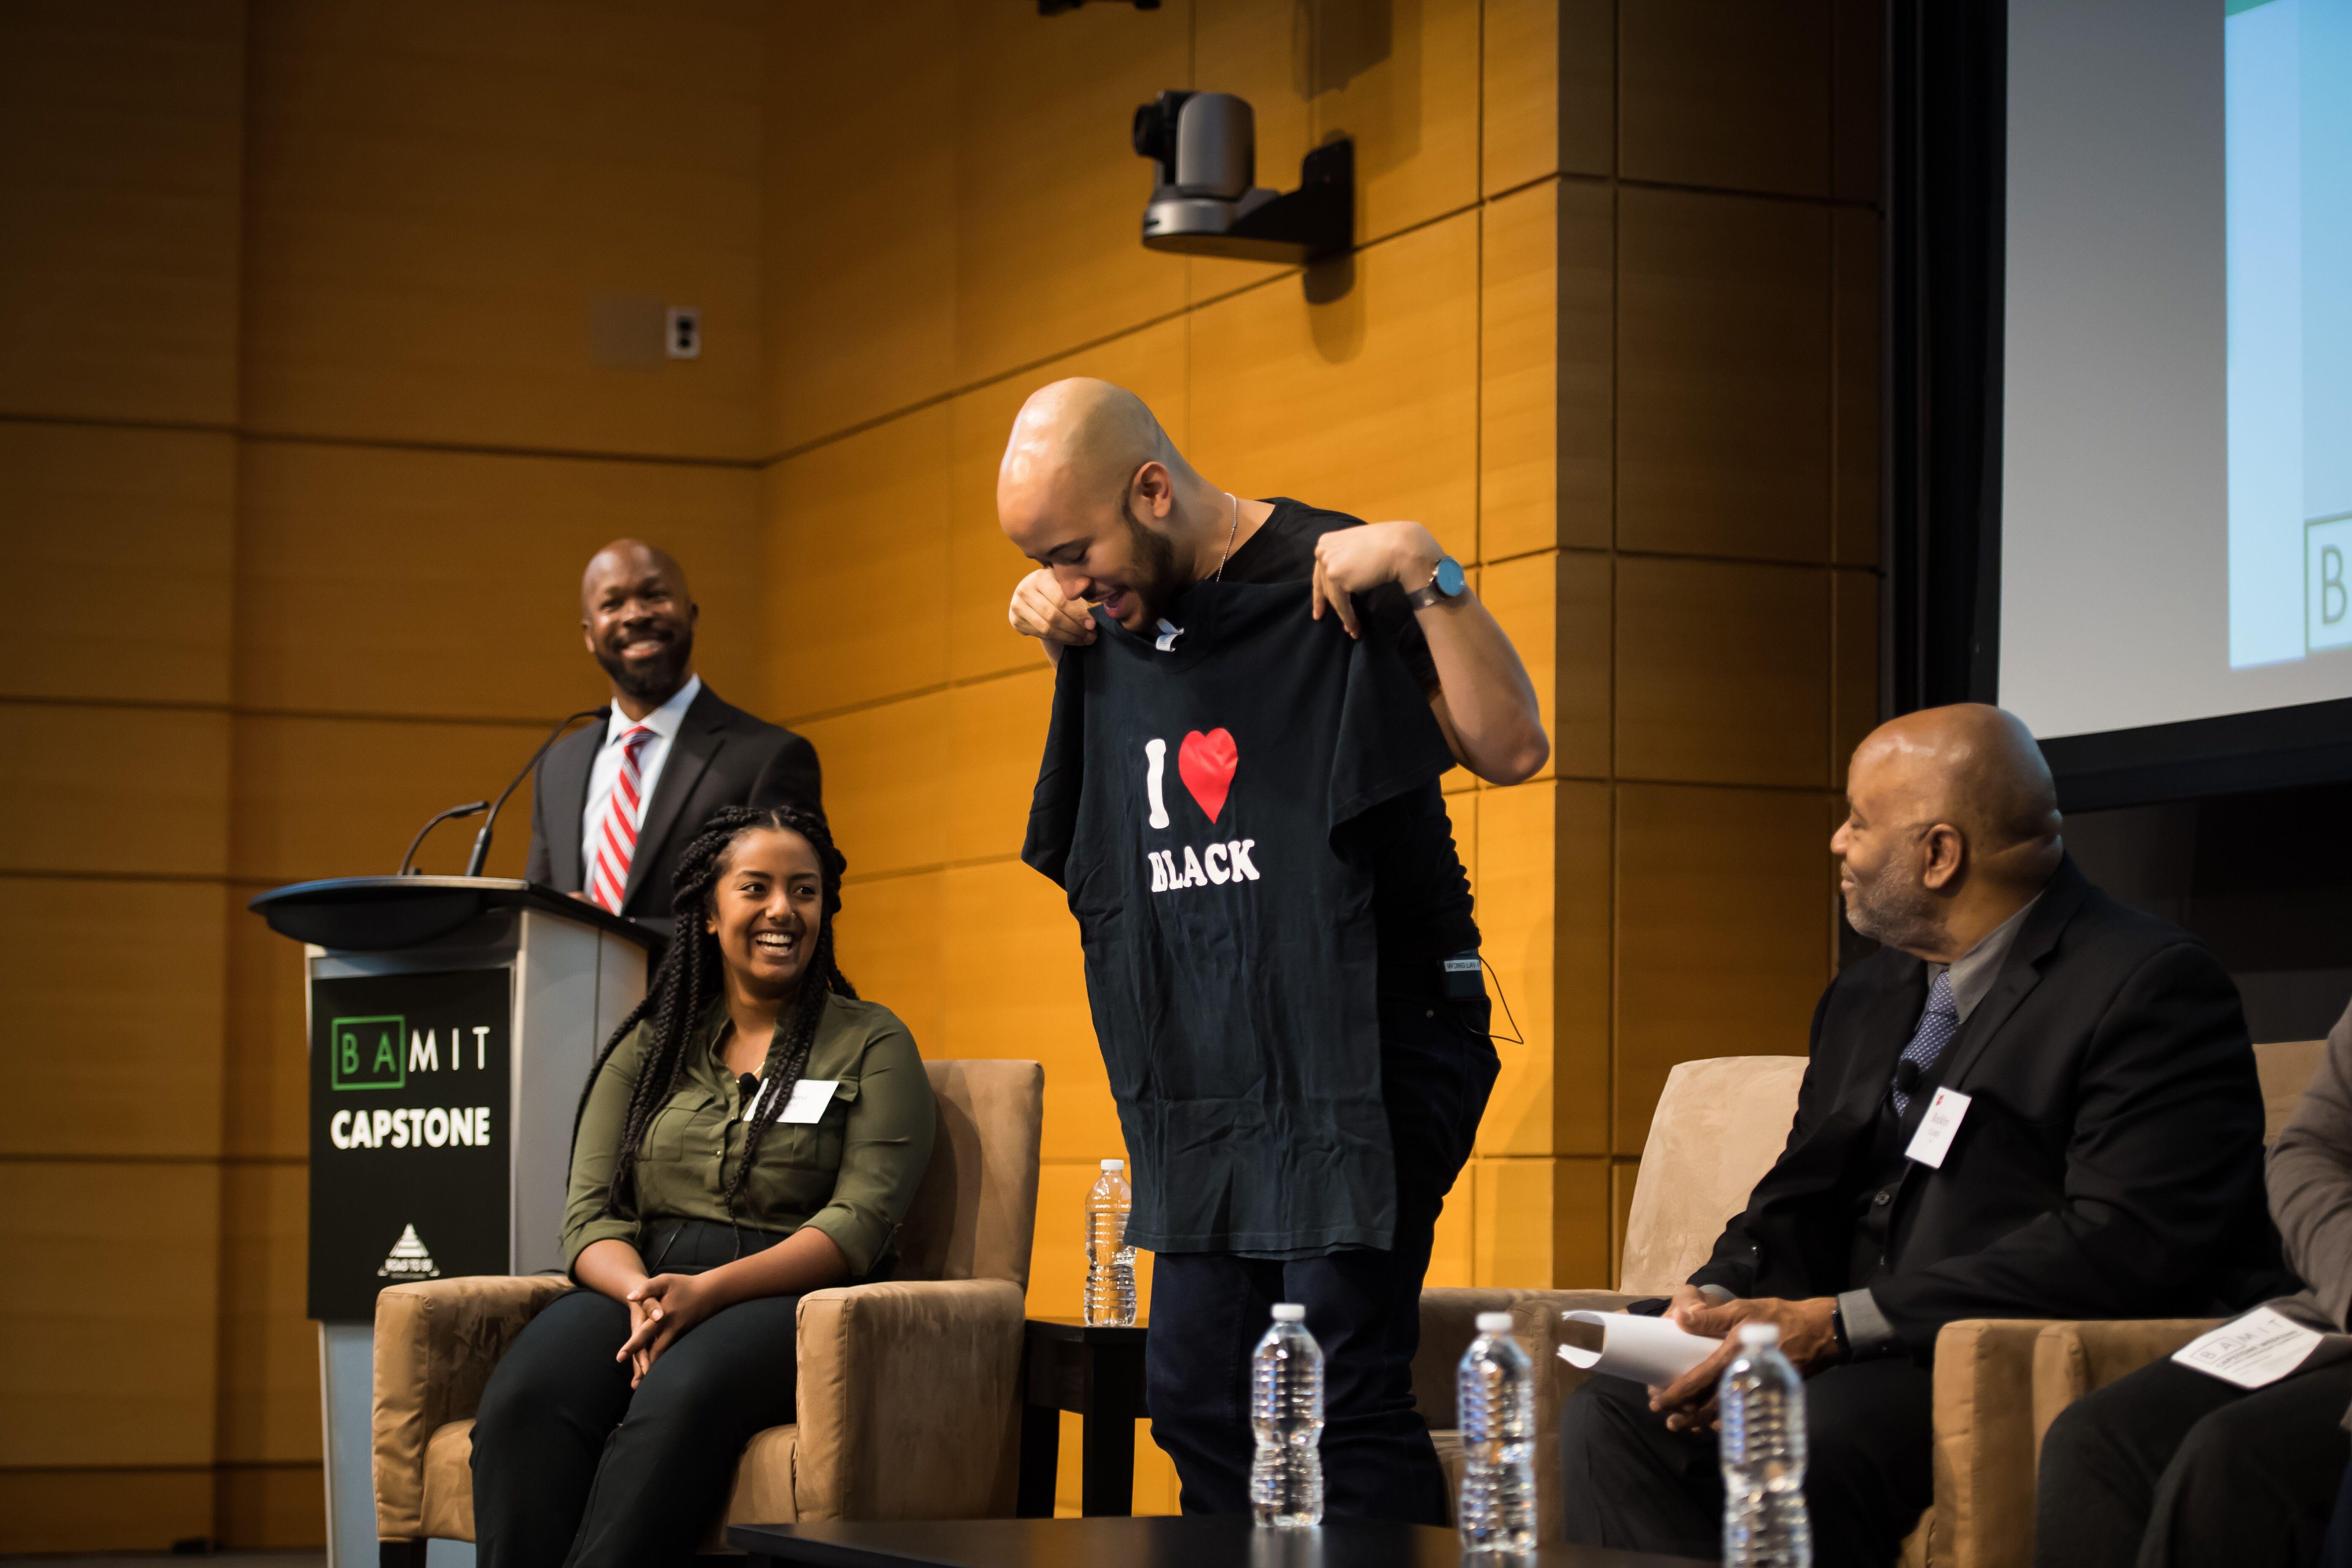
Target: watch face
x=1450 y=581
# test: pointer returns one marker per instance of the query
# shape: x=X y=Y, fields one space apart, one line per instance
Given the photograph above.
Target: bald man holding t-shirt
x=1254 y=700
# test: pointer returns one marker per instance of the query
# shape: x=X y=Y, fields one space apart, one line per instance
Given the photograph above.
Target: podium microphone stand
x=452 y=1023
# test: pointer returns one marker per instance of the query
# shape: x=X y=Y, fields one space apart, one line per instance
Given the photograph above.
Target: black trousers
x=1633 y=1485
x=2171 y=1466
x=1209 y=1310
x=571 y=1466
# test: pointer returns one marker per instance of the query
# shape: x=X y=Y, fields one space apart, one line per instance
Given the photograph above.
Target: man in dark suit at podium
x=615 y=802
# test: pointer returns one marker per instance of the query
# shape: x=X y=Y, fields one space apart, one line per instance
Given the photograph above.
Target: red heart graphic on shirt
x=1206 y=765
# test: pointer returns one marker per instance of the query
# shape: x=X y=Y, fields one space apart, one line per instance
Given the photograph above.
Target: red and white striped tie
x=616 y=836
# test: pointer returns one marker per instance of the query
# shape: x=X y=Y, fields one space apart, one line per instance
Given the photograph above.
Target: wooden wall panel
x=1520 y=62
x=104 y=1508
x=125 y=1371
x=1858 y=110
x=1723 y=672
x=268 y=1350
x=1854 y=304
x=130 y=535
x=1515 y=855
x=447 y=583
x=1016 y=987
x=1587 y=369
x=1583 y=939
x=266 y=1047
x=1519 y=413
x=891 y=944
x=1404 y=82
x=342 y=797
x=1726 y=94
x=440 y=196
x=1368 y=404
x=886 y=782
x=1723 y=380
x=1045 y=266
x=122 y=124
x=269 y=1508
x=858 y=544
x=857 y=166
x=1721 y=945
x=982 y=565
x=1854 y=708
x=134 y=792
x=1580 y=738
x=1588 y=87
x=89 y=1065
x=997 y=734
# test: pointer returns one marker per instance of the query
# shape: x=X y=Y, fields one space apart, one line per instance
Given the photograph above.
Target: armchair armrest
x=906 y=1403
x=2071 y=1360
x=435 y=1342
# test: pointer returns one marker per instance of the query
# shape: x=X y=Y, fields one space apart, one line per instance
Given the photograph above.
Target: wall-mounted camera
x=1207 y=201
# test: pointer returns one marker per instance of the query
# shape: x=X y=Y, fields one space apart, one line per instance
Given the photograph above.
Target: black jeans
x=571 y=1466
x=2169 y=1466
x=1633 y=1485
x=1209 y=1310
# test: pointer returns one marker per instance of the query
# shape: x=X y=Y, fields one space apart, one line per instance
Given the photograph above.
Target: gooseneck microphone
x=482 y=839
x=407 y=861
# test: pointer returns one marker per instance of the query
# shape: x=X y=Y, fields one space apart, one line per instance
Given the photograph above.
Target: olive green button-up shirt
x=851 y=1173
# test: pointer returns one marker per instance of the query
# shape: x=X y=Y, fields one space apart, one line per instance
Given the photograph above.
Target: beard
x=1158 y=578
x=650 y=679
x=1894 y=913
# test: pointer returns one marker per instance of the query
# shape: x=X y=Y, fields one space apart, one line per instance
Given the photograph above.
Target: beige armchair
x=1999 y=1384
x=907 y=1398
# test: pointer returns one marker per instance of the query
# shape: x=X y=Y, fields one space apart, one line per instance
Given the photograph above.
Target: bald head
x=633 y=559
x=638 y=617
x=1078 y=439
x=1953 y=827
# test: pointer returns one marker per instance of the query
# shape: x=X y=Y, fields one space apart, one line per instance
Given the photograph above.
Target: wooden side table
x=1099 y=1373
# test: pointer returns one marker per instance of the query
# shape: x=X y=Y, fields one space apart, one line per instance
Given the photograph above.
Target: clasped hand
x=661 y=1309
x=1808 y=1338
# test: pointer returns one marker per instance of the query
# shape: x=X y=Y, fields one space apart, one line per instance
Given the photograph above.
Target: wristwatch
x=1446 y=583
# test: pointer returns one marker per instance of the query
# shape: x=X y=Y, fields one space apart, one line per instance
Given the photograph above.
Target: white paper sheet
x=2260 y=1348
x=1651 y=1351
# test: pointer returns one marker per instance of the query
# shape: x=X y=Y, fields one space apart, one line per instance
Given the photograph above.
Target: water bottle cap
x=1753 y=1335
x=1289 y=1312
x=1494 y=1322
x=1114 y=1164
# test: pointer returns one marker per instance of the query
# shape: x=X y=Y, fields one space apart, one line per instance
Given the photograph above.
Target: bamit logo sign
x=1206 y=765
x=380 y=1053
x=409 y=1259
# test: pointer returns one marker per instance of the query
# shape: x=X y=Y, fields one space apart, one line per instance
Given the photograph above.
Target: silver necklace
x=1231 y=535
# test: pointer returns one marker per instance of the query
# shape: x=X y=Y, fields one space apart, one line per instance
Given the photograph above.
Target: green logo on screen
x=366 y=1053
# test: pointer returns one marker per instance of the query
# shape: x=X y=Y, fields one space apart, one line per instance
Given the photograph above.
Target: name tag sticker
x=810 y=1097
x=2259 y=1348
x=1937 y=1127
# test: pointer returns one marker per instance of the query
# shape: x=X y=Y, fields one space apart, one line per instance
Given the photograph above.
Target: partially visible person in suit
x=2172 y=1467
x=614 y=803
x=2108 y=1161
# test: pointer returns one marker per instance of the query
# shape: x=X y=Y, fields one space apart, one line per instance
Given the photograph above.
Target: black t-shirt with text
x=1420 y=896
x=1200 y=801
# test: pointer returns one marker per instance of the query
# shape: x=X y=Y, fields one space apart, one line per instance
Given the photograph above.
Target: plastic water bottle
x=1495 y=1400
x=1110 y=1262
x=1286 y=1410
x=1761 y=1403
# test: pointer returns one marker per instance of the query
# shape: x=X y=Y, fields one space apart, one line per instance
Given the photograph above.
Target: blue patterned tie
x=1938 y=1024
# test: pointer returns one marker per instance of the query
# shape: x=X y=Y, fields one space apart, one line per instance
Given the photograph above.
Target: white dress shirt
x=605 y=771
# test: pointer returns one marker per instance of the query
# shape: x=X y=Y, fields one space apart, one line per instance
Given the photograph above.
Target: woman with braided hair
x=752 y=1131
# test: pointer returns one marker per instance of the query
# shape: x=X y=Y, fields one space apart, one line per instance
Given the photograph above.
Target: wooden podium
x=452 y=1024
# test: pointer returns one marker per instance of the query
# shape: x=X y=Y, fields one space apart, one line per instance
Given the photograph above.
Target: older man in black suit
x=614 y=803
x=2106 y=1160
